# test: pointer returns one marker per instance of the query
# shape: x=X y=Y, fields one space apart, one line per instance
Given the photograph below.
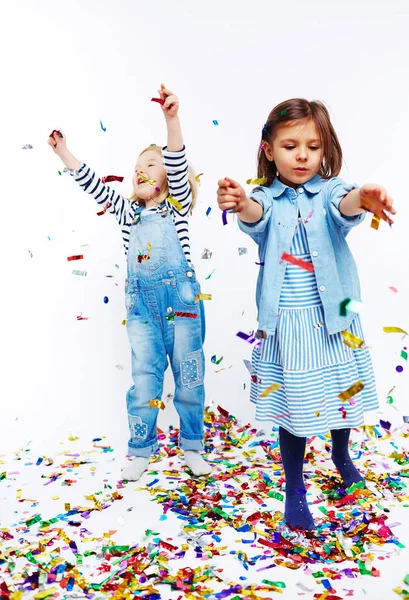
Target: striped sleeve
x=177 y=172
x=103 y=194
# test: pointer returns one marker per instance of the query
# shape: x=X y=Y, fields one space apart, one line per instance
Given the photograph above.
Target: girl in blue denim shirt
x=310 y=347
x=165 y=316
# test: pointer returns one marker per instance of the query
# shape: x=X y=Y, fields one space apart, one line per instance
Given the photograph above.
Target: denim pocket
x=130 y=301
x=186 y=291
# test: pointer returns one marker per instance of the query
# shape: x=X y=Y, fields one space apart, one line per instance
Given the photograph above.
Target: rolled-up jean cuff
x=146 y=451
x=191 y=444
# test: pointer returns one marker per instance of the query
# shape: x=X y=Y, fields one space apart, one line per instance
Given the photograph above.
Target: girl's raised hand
x=230 y=194
x=171 y=102
x=374 y=199
x=58 y=142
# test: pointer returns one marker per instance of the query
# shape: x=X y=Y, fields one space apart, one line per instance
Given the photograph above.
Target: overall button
x=169 y=310
x=300 y=190
x=315 y=253
x=189 y=274
x=322 y=288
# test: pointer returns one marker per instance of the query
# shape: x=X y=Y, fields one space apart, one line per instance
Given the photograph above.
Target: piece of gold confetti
x=123 y=322
x=394 y=330
x=259 y=181
x=272 y=388
x=351 y=340
x=375 y=222
x=317 y=413
x=156 y=404
x=175 y=202
x=198 y=177
x=354 y=389
x=146 y=180
x=202 y=297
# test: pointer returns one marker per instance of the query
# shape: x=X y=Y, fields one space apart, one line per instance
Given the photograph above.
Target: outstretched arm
x=370 y=197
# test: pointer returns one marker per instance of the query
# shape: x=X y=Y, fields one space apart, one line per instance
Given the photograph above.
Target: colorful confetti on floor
x=70 y=528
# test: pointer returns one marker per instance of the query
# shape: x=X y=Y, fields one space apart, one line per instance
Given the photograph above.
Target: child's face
x=297 y=151
x=149 y=165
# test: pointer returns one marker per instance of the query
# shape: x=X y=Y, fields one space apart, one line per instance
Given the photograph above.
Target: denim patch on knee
x=192 y=369
x=139 y=430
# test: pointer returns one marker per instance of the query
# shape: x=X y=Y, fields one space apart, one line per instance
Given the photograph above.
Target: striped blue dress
x=311 y=366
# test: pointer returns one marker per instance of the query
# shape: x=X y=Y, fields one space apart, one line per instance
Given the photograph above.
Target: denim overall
x=160 y=283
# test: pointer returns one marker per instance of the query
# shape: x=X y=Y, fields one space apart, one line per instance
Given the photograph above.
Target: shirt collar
x=313 y=186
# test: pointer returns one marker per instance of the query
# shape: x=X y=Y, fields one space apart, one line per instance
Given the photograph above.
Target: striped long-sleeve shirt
x=176 y=167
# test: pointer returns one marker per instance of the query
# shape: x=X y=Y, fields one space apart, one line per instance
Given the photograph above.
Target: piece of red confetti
x=158 y=100
x=75 y=257
x=297 y=261
x=81 y=318
x=393 y=289
x=112 y=178
x=102 y=212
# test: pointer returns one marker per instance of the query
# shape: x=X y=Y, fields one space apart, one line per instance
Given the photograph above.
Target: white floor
x=84 y=475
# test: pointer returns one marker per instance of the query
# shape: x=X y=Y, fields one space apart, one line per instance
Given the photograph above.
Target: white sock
x=196 y=462
x=135 y=467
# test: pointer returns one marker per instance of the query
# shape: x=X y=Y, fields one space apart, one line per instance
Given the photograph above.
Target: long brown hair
x=164 y=192
x=293 y=110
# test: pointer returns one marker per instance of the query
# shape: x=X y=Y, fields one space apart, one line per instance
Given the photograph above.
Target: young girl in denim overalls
x=311 y=372
x=165 y=315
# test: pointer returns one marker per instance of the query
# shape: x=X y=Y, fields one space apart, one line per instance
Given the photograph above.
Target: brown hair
x=164 y=192
x=293 y=110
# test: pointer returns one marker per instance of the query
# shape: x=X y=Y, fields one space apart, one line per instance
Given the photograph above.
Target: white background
x=70 y=65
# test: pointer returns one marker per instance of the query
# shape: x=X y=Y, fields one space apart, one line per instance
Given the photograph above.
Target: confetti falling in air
x=351 y=391
x=197 y=178
x=27 y=147
x=394 y=330
x=349 y=305
x=297 y=261
x=102 y=212
x=208 y=211
x=206 y=254
x=215 y=122
x=225 y=533
x=106 y=299
x=175 y=203
x=257 y=181
x=80 y=273
x=202 y=297
x=351 y=340
x=75 y=257
x=242 y=251
x=102 y=127
x=109 y=178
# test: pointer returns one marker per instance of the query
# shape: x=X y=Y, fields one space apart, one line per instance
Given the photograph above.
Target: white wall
x=69 y=65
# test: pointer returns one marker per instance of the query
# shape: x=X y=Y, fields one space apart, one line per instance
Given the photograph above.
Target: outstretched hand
x=230 y=194
x=374 y=199
x=170 y=106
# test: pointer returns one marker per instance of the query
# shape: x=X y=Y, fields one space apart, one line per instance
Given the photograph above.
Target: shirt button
x=315 y=253
x=189 y=274
x=300 y=190
x=322 y=288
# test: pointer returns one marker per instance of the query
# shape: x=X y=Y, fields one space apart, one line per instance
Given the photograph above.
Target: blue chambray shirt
x=326 y=228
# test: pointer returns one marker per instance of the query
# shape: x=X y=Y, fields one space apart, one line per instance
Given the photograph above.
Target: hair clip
x=265 y=131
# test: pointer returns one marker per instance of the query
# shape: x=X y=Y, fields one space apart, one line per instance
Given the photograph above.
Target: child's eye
x=289 y=147
x=314 y=148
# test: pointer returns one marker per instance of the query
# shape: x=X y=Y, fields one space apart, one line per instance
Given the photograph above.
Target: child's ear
x=268 y=151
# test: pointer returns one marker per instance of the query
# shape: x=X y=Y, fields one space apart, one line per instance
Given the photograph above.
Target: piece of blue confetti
x=102 y=127
x=208 y=211
x=106 y=299
x=215 y=122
